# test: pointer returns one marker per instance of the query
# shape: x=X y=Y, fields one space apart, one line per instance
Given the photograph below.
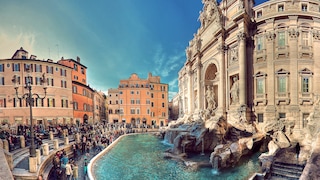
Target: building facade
x=68 y=99
x=113 y=106
x=82 y=94
x=255 y=63
x=54 y=108
x=139 y=101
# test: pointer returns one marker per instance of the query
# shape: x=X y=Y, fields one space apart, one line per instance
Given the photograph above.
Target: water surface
x=140 y=157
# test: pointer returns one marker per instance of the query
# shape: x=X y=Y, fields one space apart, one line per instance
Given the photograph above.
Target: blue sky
x=113 y=38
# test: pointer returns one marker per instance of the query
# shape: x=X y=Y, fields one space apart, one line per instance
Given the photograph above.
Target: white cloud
x=10 y=43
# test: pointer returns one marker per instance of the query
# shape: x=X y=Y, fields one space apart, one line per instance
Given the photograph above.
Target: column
x=66 y=141
x=51 y=135
x=38 y=156
x=6 y=145
x=190 y=92
x=33 y=164
x=199 y=68
x=22 y=142
x=242 y=68
x=45 y=149
x=222 y=82
x=55 y=144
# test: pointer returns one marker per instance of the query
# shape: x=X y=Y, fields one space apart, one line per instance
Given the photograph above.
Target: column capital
x=241 y=36
x=293 y=33
x=316 y=35
x=270 y=35
x=222 y=48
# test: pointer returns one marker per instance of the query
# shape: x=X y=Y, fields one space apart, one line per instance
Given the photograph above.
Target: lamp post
x=29 y=99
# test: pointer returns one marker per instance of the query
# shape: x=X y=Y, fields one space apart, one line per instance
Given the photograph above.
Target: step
x=295 y=167
x=285 y=175
x=288 y=171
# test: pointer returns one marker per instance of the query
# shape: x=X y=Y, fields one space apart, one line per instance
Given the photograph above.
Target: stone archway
x=211 y=87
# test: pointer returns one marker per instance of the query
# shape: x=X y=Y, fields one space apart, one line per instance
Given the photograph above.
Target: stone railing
x=5 y=170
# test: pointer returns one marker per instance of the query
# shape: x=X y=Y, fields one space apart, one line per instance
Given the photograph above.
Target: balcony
x=305 y=51
x=282 y=52
x=260 y=98
x=306 y=98
x=283 y=97
x=260 y=55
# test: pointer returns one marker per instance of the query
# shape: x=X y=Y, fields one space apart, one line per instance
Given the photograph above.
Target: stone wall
x=5 y=172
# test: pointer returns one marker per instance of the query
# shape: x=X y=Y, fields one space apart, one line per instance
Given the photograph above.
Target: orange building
x=82 y=94
x=143 y=101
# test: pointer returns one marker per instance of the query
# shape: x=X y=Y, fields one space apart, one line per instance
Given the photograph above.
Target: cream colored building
x=258 y=63
x=54 y=108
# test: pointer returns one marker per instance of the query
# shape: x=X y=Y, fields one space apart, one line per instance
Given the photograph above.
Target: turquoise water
x=140 y=157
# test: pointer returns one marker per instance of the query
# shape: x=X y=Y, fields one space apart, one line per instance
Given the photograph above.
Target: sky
x=113 y=38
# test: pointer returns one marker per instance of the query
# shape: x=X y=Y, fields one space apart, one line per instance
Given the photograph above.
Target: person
x=85 y=169
x=68 y=171
x=297 y=150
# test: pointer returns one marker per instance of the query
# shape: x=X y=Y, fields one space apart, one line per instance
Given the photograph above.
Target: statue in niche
x=210 y=98
x=198 y=41
x=234 y=91
x=188 y=53
x=202 y=18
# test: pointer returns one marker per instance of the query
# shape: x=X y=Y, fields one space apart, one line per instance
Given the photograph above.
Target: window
x=162 y=104
x=1 y=80
x=305 y=38
x=38 y=81
x=75 y=67
x=121 y=101
x=63 y=84
x=151 y=104
x=120 y=92
x=304 y=7
x=51 y=102
x=132 y=111
x=116 y=101
x=16 y=67
x=148 y=111
x=163 y=114
x=260 y=118
x=82 y=70
x=121 y=111
x=305 y=84
x=132 y=92
x=281 y=39
x=84 y=92
x=151 y=95
x=64 y=103
x=28 y=67
x=259 y=14
x=132 y=101
x=50 y=82
x=38 y=68
x=1 y=67
x=138 y=111
x=28 y=80
x=148 y=101
x=138 y=101
x=280 y=8
x=50 y=69
x=259 y=43
x=260 y=85
x=39 y=102
x=3 y=102
x=63 y=72
x=74 y=89
x=282 y=115
x=17 y=102
x=75 y=105
x=162 y=96
x=282 y=84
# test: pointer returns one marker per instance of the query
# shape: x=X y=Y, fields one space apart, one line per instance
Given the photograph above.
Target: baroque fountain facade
x=249 y=82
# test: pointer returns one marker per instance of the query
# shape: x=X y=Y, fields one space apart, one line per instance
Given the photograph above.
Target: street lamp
x=29 y=99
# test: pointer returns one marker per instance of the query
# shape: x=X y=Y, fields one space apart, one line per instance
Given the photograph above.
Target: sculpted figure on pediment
x=210 y=13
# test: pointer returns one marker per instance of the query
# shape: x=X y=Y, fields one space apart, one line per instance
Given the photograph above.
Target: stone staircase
x=282 y=171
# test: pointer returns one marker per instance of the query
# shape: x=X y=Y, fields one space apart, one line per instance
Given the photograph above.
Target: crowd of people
x=93 y=139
